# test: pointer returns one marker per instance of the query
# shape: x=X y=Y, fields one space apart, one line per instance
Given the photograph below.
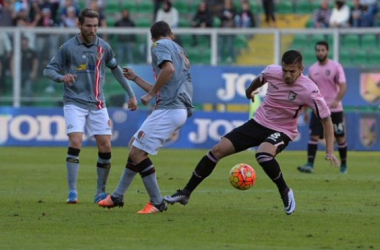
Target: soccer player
x=273 y=126
x=173 y=91
x=331 y=81
x=80 y=66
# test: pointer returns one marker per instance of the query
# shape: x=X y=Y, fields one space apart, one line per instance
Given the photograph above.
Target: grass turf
x=334 y=211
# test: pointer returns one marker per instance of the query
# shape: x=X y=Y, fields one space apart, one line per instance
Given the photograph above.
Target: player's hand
x=69 y=79
x=332 y=158
x=252 y=96
x=334 y=104
x=146 y=98
x=129 y=73
x=132 y=103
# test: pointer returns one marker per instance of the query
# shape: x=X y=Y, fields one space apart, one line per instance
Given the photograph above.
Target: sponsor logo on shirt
x=84 y=67
x=292 y=96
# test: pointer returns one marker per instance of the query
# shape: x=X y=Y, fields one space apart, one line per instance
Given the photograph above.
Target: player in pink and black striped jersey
x=271 y=129
x=331 y=81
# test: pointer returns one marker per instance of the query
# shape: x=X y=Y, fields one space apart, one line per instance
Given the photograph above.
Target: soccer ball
x=242 y=176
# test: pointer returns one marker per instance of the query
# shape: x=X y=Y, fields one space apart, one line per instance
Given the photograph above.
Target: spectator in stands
x=367 y=16
x=340 y=15
x=126 y=43
x=270 y=16
x=322 y=15
x=64 y=13
x=356 y=14
x=226 y=45
x=7 y=14
x=70 y=21
x=245 y=19
x=5 y=55
x=94 y=5
x=101 y=4
x=29 y=68
x=169 y=14
x=203 y=18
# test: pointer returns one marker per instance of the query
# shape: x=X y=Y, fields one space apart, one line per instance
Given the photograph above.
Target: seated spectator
x=340 y=15
x=7 y=14
x=71 y=20
x=367 y=17
x=245 y=19
x=203 y=18
x=355 y=14
x=64 y=12
x=322 y=15
x=169 y=14
x=126 y=43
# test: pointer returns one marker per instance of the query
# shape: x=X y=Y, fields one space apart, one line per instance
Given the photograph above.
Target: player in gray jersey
x=80 y=65
x=173 y=91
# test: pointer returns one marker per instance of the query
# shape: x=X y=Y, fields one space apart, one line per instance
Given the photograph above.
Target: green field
x=334 y=211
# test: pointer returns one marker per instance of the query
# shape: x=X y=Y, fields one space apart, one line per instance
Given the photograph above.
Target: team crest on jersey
x=141 y=135
x=292 y=95
x=328 y=72
x=368 y=130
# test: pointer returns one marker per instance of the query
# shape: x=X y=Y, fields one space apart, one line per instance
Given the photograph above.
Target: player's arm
x=166 y=73
x=329 y=137
x=255 y=84
x=118 y=74
x=55 y=66
x=342 y=92
x=131 y=75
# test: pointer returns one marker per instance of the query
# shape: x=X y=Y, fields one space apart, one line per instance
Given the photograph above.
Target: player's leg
x=103 y=165
x=340 y=136
x=237 y=140
x=99 y=125
x=265 y=155
x=316 y=132
x=75 y=119
x=161 y=125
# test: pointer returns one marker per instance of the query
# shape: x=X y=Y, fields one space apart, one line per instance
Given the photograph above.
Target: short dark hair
x=87 y=13
x=292 y=57
x=324 y=43
x=159 y=29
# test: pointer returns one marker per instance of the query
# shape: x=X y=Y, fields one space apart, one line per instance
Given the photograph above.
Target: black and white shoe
x=289 y=201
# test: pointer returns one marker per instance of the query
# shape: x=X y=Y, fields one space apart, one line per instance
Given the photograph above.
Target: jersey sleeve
x=162 y=53
x=56 y=65
x=341 y=75
x=318 y=104
x=111 y=61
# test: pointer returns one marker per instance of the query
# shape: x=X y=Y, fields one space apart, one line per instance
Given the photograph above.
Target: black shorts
x=252 y=134
x=316 y=127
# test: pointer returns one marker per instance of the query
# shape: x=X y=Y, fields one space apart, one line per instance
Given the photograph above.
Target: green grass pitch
x=334 y=211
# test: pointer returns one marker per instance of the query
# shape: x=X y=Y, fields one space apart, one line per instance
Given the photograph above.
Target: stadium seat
x=146 y=7
x=143 y=22
x=345 y=57
x=359 y=57
x=374 y=57
x=285 y=7
x=350 y=40
x=303 y=7
x=368 y=41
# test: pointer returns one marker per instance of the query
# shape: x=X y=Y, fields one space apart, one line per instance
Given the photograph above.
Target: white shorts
x=158 y=128
x=93 y=122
